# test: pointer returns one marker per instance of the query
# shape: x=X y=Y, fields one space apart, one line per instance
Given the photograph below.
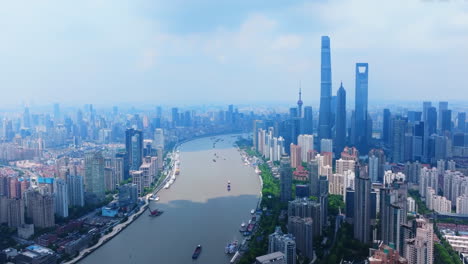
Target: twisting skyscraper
x=340 y=124
x=360 y=112
x=324 y=128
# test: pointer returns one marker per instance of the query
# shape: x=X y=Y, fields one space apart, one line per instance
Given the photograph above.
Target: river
x=198 y=209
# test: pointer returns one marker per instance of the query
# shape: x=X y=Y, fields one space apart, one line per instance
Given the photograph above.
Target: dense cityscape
x=340 y=185
x=241 y=132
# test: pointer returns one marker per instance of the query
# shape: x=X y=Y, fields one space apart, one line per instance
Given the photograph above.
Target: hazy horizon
x=201 y=52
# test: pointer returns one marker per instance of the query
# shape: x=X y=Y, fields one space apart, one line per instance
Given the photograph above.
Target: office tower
x=414 y=116
x=326 y=145
x=134 y=148
x=289 y=130
x=426 y=106
x=296 y=159
x=158 y=138
x=75 y=190
x=306 y=142
x=399 y=126
x=26 y=118
x=461 y=122
x=323 y=199
x=308 y=126
x=175 y=116
x=362 y=205
x=432 y=120
x=386 y=131
x=420 y=248
x=416 y=143
x=15 y=212
x=61 y=197
x=360 y=111
x=446 y=121
x=324 y=126
x=42 y=208
x=284 y=243
x=313 y=168
x=380 y=155
x=340 y=124
x=302 y=230
x=293 y=112
x=57 y=113
x=285 y=179
x=373 y=168
x=94 y=176
x=442 y=107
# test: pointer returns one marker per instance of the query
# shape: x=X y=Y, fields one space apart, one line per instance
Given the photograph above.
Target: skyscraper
x=308 y=126
x=446 y=121
x=386 y=132
x=426 y=106
x=461 y=121
x=324 y=127
x=314 y=177
x=75 y=190
x=285 y=179
x=134 y=148
x=61 y=197
x=340 y=124
x=42 y=209
x=361 y=101
x=442 y=107
x=362 y=205
x=175 y=117
x=158 y=138
x=94 y=175
x=284 y=243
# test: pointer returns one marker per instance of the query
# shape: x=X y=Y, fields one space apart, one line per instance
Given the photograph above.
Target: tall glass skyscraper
x=324 y=127
x=134 y=148
x=360 y=112
x=340 y=124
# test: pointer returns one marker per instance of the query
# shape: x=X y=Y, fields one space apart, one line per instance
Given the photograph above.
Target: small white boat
x=252 y=211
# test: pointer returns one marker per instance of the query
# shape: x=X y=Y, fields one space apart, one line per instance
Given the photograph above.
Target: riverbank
x=269 y=200
x=120 y=227
x=197 y=208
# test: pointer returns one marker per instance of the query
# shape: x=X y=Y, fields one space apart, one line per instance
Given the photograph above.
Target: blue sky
x=202 y=51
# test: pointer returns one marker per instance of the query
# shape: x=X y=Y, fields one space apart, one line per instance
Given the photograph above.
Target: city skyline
x=178 y=53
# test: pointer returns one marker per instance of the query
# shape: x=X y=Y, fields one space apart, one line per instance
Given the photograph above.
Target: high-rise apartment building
x=75 y=190
x=362 y=205
x=42 y=209
x=285 y=179
x=284 y=243
x=61 y=197
x=94 y=176
x=420 y=248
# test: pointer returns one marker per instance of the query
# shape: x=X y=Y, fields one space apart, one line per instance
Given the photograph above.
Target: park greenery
x=346 y=247
x=421 y=206
x=269 y=220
